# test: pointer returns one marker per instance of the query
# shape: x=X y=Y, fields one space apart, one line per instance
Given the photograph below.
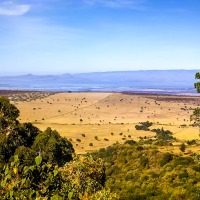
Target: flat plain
x=96 y=120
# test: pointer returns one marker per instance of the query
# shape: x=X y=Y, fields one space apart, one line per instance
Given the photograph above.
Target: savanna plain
x=97 y=120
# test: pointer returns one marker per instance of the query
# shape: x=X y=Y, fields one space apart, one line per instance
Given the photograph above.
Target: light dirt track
x=97 y=115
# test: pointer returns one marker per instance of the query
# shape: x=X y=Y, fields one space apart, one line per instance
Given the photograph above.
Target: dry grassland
x=96 y=120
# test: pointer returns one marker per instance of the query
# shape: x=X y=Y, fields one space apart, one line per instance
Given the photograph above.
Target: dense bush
x=191 y=142
x=29 y=182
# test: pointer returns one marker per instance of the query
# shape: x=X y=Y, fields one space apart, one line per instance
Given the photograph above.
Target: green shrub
x=144 y=161
x=182 y=147
x=96 y=138
x=167 y=157
x=130 y=142
x=139 y=148
x=191 y=142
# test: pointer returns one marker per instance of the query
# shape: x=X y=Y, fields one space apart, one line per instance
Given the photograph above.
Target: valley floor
x=96 y=120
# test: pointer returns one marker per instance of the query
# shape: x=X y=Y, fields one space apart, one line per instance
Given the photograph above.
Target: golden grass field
x=101 y=119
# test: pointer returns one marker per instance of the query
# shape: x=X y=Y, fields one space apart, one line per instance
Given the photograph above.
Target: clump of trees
x=162 y=134
x=144 y=126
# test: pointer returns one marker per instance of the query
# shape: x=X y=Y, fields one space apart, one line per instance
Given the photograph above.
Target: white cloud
x=10 y=8
x=132 y=4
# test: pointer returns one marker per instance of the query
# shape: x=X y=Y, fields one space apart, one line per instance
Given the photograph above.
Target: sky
x=77 y=36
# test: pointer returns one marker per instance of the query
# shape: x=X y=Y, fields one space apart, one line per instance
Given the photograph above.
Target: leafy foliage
x=26 y=155
x=83 y=178
x=52 y=147
x=29 y=182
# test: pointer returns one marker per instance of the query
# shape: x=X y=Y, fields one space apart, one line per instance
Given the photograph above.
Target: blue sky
x=73 y=36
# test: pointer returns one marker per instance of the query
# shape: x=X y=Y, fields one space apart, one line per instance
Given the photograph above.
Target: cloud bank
x=10 y=8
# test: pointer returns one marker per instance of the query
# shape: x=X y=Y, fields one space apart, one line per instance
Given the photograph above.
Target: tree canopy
x=52 y=147
x=197 y=84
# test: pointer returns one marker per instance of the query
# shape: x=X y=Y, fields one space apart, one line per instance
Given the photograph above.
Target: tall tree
x=52 y=147
x=8 y=115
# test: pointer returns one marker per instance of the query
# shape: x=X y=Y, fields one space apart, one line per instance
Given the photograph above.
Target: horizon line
x=117 y=71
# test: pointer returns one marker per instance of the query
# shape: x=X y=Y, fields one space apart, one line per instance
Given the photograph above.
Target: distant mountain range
x=132 y=81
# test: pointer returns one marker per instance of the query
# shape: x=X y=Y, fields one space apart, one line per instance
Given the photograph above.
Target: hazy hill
x=104 y=81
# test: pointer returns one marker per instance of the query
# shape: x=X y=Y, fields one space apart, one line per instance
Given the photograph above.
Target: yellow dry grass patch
x=100 y=114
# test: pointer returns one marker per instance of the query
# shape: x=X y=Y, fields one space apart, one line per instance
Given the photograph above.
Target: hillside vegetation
x=139 y=171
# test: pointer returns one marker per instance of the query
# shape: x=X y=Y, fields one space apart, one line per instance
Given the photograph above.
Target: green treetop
x=197 y=84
